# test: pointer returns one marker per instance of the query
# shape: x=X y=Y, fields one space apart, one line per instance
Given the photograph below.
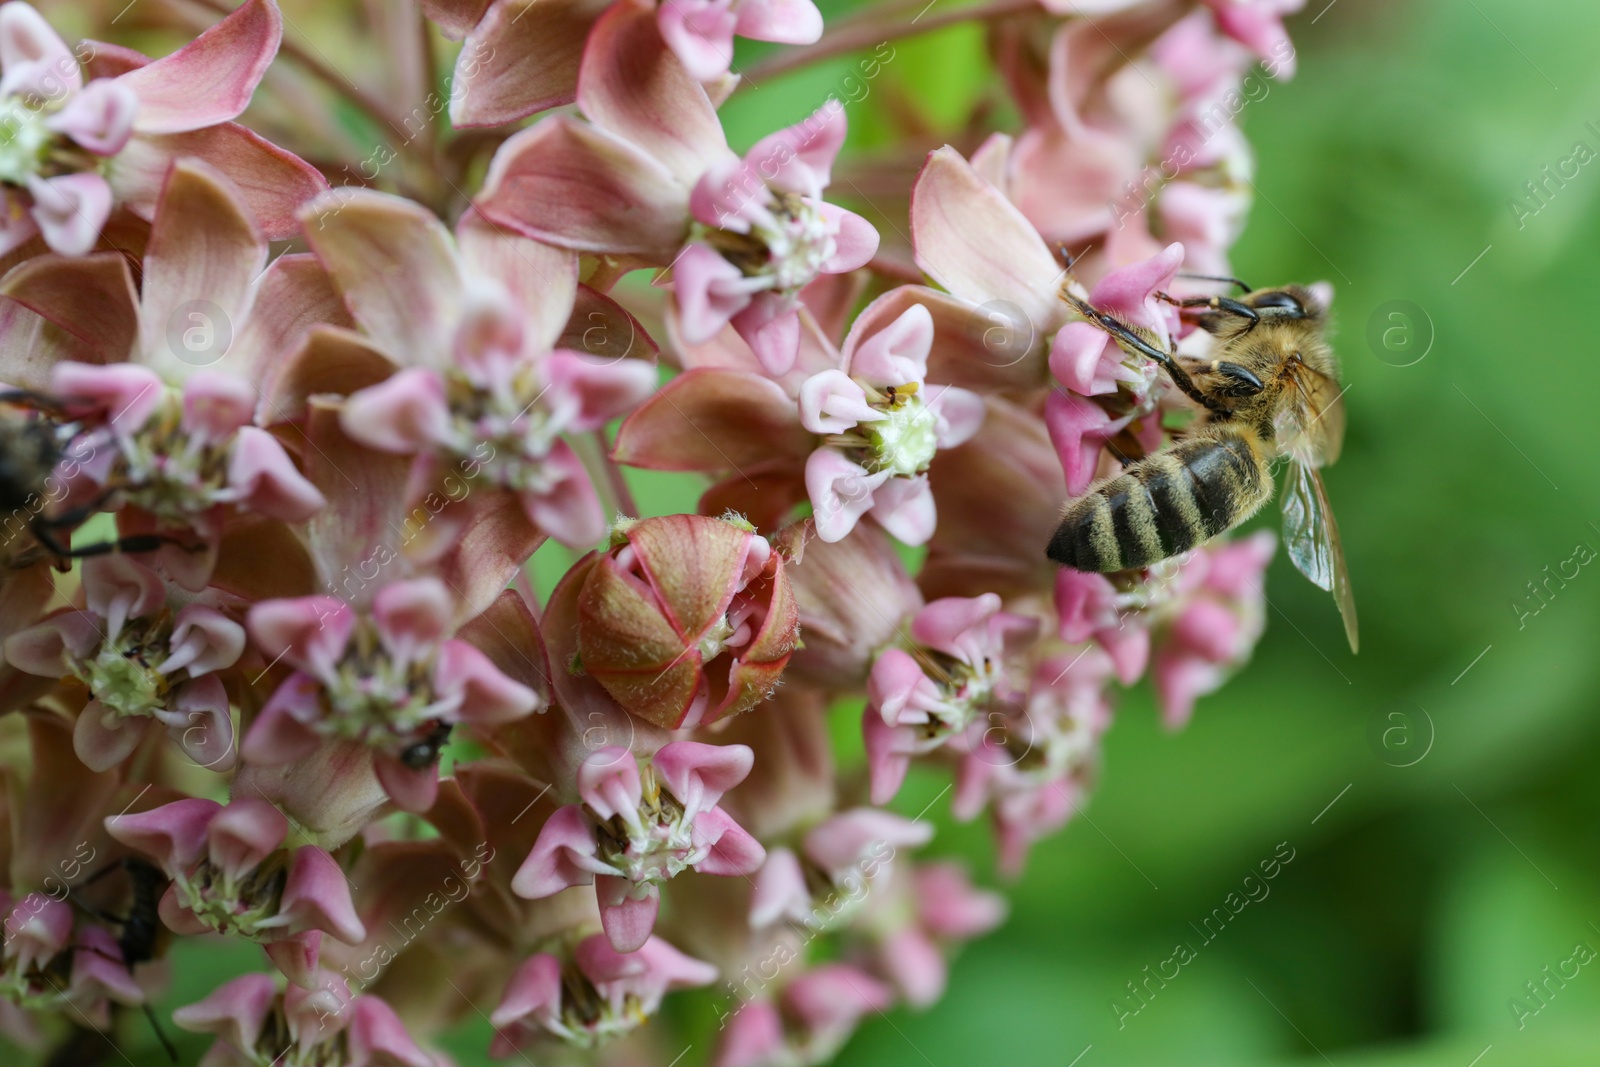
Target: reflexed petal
x=34 y=58
x=235 y=1011
x=521 y=58
x=578 y=186
x=700 y=34
x=396 y=266
x=211 y=79
x=971 y=240
x=713 y=419
x=633 y=86
x=627 y=920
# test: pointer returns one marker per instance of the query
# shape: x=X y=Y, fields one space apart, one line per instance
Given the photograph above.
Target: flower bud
x=687 y=619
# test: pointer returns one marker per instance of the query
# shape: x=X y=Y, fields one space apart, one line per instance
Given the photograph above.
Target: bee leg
x=1239 y=381
x=1130 y=340
x=1218 y=304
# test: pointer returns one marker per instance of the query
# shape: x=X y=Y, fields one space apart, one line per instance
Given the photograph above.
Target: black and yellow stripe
x=1164 y=504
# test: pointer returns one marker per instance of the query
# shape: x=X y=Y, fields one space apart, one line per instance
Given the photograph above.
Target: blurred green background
x=1438 y=791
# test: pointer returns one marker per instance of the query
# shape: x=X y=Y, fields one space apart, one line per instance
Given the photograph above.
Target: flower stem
x=619 y=486
x=856 y=34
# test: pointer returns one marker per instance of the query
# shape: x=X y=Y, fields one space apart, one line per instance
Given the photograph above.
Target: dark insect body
x=1272 y=393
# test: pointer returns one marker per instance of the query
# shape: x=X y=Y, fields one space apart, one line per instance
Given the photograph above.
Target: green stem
x=856 y=34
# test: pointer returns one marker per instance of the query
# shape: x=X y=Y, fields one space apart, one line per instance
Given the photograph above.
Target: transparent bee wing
x=1312 y=537
x=1311 y=424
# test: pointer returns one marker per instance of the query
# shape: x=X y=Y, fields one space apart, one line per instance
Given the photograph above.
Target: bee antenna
x=1219 y=278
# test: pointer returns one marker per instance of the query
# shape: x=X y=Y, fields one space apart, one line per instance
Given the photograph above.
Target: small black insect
x=425 y=753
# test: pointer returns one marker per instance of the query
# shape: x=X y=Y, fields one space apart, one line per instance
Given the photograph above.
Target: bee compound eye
x=1285 y=301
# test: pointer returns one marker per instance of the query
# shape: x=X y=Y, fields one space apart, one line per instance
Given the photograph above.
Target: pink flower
x=1211 y=630
x=170 y=437
x=930 y=907
x=507 y=71
x=855 y=431
x=640 y=824
x=232 y=874
x=118 y=134
x=948 y=689
x=147 y=664
x=392 y=679
x=651 y=176
x=812 y=1018
x=1258 y=24
x=839 y=861
x=322 y=1023
x=461 y=344
x=687 y=620
x=606 y=993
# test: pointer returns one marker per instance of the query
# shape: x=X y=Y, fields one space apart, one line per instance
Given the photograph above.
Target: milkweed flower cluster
x=300 y=693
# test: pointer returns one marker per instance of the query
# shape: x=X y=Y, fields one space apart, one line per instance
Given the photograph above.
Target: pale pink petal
x=70 y=210
x=541 y=278
x=490 y=697
x=34 y=58
x=397 y=268
x=534 y=989
x=118 y=589
x=770 y=325
x=216 y=405
x=780 y=890
x=855 y=241
x=627 y=919
x=412 y=616
x=311 y=632
x=211 y=79
x=698 y=774
x=700 y=33
x=100 y=118
x=632 y=85
x=203 y=728
x=174 y=835
x=378 y=1037
x=844 y=840
x=243 y=834
x=799 y=159
x=102 y=738
x=710 y=291
x=608 y=781
x=561 y=857
x=752 y=1037
x=972 y=241
x=317 y=897
x=44 y=649
x=297 y=957
x=203 y=640
x=579 y=186
x=405 y=413
x=128 y=393
x=960 y=414
x=784 y=21
x=730 y=848
x=566 y=508
x=898 y=353
x=904 y=507
x=597 y=390
x=831 y=402
x=279 y=735
x=235 y=1011
x=889 y=752
x=204 y=254
x=1077 y=430
x=840 y=491
x=267 y=481
x=1182 y=679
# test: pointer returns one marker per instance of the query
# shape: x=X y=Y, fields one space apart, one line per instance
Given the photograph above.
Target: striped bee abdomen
x=1164 y=505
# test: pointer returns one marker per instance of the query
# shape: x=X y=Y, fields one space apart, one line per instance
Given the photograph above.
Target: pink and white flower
x=148 y=662
x=640 y=824
x=392 y=679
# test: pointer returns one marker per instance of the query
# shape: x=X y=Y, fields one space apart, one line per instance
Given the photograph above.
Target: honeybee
x=1272 y=392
